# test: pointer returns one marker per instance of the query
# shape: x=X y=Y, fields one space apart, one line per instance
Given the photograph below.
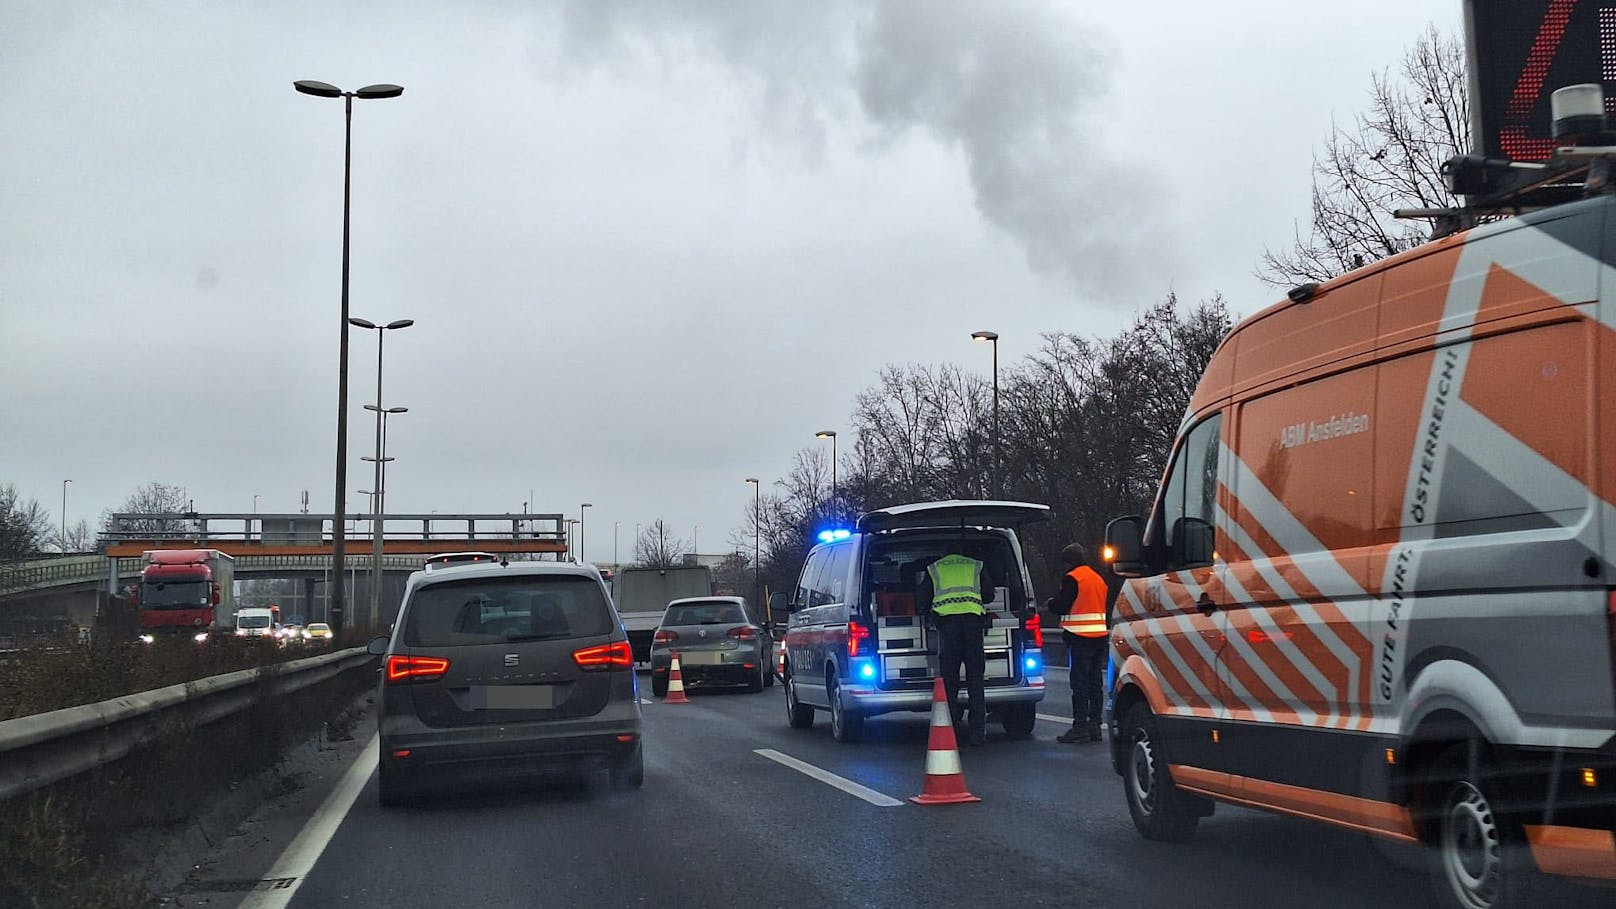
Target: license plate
x=512 y=697
x=700 y=658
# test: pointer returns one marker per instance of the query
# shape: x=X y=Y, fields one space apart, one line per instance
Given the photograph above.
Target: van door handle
x=1205 y=606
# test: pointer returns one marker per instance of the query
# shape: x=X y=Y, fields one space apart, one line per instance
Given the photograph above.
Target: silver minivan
x=857 y=645
x=499 y=670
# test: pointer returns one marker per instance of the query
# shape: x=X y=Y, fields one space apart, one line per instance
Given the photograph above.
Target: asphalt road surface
x=720 y=824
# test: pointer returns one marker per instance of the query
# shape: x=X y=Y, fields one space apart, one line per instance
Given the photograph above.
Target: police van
x=856 y=644
x=1378 y=585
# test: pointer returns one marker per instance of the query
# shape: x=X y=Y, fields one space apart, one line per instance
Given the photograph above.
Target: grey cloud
x=1010 y=85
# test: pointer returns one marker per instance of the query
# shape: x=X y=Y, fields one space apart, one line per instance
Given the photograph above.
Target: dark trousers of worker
x=1087 y=664
x=959 y=643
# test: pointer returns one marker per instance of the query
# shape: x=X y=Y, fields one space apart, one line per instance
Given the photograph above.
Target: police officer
x=1080 y=609
x=953 y=591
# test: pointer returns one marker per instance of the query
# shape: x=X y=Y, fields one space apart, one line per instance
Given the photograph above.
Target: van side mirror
x=1192 y=543
x=1125 y=548
x=377 y=646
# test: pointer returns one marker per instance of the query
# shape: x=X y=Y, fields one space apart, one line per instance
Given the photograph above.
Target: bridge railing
x=313 y=529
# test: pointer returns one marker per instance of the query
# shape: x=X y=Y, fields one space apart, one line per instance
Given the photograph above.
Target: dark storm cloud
x=1011 y=86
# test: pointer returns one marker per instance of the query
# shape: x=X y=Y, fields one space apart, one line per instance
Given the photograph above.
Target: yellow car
x=317 y=632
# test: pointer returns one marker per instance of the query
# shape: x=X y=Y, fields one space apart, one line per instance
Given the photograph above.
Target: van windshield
x=496 y=610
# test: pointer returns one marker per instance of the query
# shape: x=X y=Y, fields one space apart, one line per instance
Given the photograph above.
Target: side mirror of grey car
x=377 y=646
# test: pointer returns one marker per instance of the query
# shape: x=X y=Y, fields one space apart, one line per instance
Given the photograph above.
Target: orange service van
x=1378 y=584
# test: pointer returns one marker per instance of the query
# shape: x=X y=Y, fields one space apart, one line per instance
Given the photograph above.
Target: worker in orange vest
x=1079 y=607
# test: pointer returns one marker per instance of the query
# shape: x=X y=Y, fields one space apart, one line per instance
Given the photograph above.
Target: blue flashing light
x=831 y=535
x=866 y=671
x=1034 y=664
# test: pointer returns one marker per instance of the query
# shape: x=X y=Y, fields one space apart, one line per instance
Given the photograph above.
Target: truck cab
x=858 y=644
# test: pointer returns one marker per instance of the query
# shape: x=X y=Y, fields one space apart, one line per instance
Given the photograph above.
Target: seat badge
x=701 y=633
x=512 y=659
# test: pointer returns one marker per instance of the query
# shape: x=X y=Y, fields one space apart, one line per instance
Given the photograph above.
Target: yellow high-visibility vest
x=956 y=583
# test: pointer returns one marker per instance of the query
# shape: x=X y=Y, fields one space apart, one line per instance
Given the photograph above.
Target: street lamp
x=64 y=514
x=615 y=526
x=375 y=528
x=571 y=537
x=992 y=337
x=379 y=502
x=831 y=435
x=757 y=548
x=256 y=497
x=581 y=555
x=338 y=542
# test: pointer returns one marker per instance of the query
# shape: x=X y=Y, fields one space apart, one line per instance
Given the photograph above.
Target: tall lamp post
x=615 y=526
x=831 y=435
x=378 y=507
x=375 y=527
x=339 y=549
x=992 y=337
x=757 y=549
x=64 y=514
x=581 y=511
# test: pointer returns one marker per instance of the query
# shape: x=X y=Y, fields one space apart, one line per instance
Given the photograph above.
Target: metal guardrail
x=196 y=527
x=93 y=569
x=38 y=750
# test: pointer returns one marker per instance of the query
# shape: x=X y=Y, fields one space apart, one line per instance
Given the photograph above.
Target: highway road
x=722 y=823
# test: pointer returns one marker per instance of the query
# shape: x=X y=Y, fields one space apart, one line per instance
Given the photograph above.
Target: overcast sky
x=650 y=247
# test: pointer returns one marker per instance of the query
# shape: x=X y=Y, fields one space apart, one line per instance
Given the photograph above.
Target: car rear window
x=704 y=614
x=497 y=610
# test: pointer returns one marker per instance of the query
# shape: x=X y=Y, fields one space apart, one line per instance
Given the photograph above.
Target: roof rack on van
x=1495 y=186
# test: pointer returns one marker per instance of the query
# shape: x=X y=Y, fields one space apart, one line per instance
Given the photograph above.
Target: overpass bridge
x=57 y=593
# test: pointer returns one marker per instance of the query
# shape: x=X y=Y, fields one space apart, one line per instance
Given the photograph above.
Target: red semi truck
x=187 y=592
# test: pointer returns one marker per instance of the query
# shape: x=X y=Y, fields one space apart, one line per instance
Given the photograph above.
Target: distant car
x=499 y=670
x=716 y=643
x=317 y=631
x=291 y=634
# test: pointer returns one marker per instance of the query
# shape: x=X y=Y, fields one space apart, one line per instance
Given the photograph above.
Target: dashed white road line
x=298 y=860
x=878 y=799
x=1051 y=718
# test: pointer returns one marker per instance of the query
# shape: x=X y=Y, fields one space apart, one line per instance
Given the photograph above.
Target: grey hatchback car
x=502 y=670
x=716 y=642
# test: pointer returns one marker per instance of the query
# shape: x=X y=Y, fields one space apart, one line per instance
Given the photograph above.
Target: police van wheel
x=659 y=686
x=1159 y=810
x=1479 y=857
x=845 y=725
x=798 y=715
x=1019 y=720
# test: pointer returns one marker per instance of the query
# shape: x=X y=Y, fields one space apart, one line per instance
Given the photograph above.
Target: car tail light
x=743 y=632
x=404 y=668
x=665 y=637
x=1035 y=627
x=616 y=655
x=855 y=634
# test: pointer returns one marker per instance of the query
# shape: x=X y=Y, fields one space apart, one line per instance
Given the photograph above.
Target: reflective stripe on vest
x=1087 y=616
x=956 y=583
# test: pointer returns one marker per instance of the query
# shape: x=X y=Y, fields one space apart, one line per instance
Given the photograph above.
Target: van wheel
x=659 y=686
x=798 y=715
x=1159 y=810
x=1479 y=860
x=393 y=788
x=628 y=772
x=1019 y=720
x=846 y=725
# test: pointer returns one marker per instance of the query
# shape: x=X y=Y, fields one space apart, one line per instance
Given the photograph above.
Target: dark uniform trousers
x=1087 y=664
x=959 y=642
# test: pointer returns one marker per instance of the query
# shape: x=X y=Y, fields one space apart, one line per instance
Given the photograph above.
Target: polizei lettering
x=1346 y=424
x=1431 y=437
x=1394 y=618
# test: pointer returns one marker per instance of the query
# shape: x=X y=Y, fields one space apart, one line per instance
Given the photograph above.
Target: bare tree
x=166 y=507
x=1389 y=158
x=25 y=526
x=656 y=548
x=80 y=538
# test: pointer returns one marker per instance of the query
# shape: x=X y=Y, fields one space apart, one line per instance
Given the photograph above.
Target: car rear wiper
x=535 y=637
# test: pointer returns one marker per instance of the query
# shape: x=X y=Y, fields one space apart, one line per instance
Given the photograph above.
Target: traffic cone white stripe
x=942 y=762
x=676 y=684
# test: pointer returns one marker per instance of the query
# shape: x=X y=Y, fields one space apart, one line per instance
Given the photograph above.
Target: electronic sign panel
x=1520 y=52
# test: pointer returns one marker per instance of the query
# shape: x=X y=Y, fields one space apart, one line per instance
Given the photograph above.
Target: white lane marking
x=647 y=701
x=878 y=799
x=299 y=858
x=1051 y=718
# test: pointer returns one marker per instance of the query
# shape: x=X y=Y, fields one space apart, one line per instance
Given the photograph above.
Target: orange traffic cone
x=945 y=783
x=676 y=684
